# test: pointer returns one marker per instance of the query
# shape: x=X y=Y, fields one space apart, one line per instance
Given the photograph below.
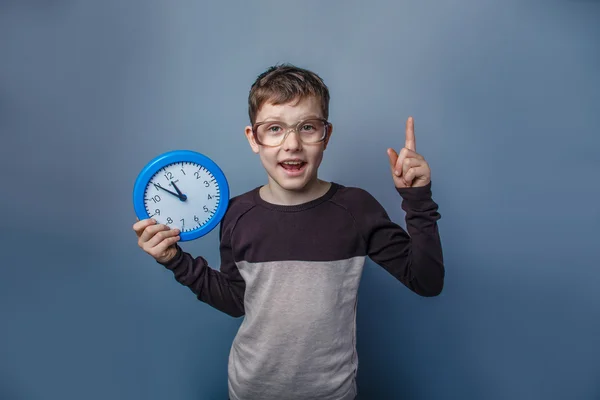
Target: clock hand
x=182 y=198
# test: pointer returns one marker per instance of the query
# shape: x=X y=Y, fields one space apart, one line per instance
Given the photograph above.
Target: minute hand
x=173 y=193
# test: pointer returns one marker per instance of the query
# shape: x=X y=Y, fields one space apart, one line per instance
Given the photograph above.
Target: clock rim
x=176 y=156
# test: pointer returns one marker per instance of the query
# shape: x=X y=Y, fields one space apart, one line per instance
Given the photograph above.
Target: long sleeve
x=415 y=257
x=222 y=289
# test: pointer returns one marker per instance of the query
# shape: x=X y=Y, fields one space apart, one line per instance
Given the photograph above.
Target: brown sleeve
x=414 y=257
x=222 y=289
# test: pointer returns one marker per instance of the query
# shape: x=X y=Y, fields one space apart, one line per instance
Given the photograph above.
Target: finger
x=414 y=172
x=409 y=163
x=165 y=244
x=160 y=236
x=393 y=157
x=139 y=226
x=160 y=249
x=412 y=154
x=410 y=142
x=151 y=231
x=400 y=161
x=404 y=154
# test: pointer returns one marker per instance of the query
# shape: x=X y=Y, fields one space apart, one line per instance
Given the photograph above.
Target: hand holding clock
x=162 y=223
x=158 y=240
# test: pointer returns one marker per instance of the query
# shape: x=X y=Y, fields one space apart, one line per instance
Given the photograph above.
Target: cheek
x=316 y=156
x=268 y=157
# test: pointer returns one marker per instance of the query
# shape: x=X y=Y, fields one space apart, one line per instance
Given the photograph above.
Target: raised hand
x=409 y=168
x=158 y=240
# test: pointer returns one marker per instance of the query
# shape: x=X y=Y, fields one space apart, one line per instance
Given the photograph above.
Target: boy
x=292 y=251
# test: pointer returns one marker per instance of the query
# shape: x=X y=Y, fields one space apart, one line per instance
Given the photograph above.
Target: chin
x=296 y=186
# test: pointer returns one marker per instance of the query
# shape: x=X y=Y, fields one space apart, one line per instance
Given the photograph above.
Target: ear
x=250 y=137
x=326 y=141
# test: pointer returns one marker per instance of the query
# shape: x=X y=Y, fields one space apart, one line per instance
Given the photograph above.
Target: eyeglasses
x=273 y=133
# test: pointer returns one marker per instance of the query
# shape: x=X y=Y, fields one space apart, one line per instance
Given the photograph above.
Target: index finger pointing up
x=410 y=135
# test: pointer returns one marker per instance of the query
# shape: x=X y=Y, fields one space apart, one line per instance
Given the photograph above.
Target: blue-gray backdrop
x=506 y=99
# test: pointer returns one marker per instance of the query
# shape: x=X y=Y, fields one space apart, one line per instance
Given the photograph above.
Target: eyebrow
x=305 y=117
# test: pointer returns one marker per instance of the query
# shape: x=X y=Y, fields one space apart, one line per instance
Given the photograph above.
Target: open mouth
x=293 y=166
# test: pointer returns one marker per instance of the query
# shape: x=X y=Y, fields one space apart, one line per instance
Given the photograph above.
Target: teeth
x=292 y=162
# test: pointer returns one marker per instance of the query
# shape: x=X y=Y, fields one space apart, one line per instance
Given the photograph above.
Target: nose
x=292 y=142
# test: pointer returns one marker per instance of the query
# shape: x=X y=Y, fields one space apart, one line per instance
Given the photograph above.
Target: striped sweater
x=293 y=273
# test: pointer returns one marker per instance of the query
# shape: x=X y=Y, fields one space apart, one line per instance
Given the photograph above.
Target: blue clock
x=182 y=189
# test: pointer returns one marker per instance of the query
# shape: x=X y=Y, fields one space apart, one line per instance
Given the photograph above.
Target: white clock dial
x=183 y=195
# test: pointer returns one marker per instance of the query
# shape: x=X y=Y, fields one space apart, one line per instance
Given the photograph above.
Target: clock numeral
x=155 y=198
x=206 y=184
x=169 y=220
x=182 y=171
x=169 y=175
x=206 y=209
x=209 y=197
x=157 y=212
x=197 y=174
x=182 y=222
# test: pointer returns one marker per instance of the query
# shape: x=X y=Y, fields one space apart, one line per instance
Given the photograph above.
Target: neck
x=273 y=193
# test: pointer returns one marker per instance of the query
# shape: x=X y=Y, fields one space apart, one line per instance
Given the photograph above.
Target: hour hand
x=182 y=196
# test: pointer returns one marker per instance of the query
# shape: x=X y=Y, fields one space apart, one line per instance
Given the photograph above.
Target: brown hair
x=283 y=83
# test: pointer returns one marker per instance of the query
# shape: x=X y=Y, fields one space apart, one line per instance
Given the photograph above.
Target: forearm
x=210 y=286
x=425 y=263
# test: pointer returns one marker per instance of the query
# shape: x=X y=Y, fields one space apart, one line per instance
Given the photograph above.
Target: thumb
x=393 y=157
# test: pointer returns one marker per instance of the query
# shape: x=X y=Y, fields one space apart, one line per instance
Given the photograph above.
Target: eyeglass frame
x=288 y=129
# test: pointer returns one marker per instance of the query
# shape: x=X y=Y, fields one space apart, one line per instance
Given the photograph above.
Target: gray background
x=506 y=100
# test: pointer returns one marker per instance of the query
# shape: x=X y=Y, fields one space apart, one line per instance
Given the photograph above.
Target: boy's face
x=310 y=155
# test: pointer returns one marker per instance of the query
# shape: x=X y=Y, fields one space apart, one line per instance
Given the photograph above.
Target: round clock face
x=182 y=195
x=184 y=190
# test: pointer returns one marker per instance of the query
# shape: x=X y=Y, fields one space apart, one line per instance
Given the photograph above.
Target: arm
x=223 y=289
x=415 y=257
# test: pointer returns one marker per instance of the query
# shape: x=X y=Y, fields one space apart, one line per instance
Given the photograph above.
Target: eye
x=308 y=127
x=274 y=129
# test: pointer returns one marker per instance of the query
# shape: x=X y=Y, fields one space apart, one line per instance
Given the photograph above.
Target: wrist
x=415 y=192
x=170 y=262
